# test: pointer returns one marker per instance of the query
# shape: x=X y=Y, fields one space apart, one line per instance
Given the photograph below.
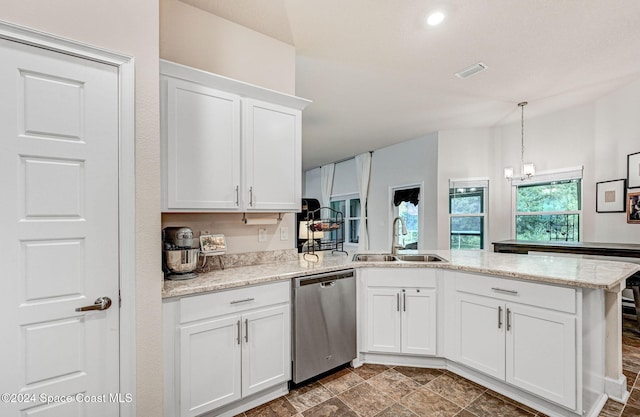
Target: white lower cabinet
x=230 y=345
x=401 y=311
x=527 y=346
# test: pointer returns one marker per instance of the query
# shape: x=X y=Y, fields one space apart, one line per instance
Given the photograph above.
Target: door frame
x=126 y=184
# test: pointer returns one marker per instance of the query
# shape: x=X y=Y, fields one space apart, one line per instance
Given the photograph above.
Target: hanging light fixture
x=527 y=170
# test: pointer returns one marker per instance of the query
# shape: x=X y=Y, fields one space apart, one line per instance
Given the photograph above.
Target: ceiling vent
x=473 y=69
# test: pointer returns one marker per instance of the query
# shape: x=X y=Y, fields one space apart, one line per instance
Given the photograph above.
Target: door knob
x=101 y=303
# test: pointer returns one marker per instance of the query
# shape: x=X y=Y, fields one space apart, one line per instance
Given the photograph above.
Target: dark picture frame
x=633 y=208
x=633 y=170
x=611 y=196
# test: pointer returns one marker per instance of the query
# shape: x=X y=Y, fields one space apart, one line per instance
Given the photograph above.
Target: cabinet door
x=209 y=365
x=272 y=155
x=419 y=321
x=541 y=353
x=383 y=320
x=266 y=349
x=203 y=147
x=479 y=333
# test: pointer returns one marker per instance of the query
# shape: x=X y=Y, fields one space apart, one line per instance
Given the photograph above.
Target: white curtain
x=326 y=183
x=363 y=171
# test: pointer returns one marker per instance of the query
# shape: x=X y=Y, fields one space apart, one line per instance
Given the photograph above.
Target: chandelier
x=526 y=169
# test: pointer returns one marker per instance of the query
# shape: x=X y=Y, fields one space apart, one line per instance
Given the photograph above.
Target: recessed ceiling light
x=435 y=18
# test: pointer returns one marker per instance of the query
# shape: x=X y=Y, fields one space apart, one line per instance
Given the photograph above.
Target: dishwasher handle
x=327 y=284
x=321 y=278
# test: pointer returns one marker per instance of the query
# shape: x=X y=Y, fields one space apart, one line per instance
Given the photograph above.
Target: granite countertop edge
x=610 y=276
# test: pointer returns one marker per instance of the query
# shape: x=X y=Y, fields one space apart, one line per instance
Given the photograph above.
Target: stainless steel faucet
x=394 y=231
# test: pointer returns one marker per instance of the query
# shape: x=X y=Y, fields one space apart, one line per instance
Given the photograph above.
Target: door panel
x=541 y=353
x=209 y=365
x=59 y=217
x=266 y=350
x=272 y=143
x=480 y=334
x=203 y=128
x=419 y=321
x=383 y=320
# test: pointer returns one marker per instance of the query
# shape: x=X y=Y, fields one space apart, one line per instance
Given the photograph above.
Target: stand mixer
x=179 y=259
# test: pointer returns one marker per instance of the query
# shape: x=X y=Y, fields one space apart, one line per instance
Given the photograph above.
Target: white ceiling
x=378 y=76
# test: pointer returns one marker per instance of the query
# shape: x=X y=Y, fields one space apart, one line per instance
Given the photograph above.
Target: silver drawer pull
x=246 y=300
x=505 y=291
x=499 y=317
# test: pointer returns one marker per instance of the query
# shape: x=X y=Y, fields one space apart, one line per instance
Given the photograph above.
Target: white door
x=544 y=365
x=383 y=320
x=209 y=365
x=419 y=321
x=272 y=140
x=479 y=327
x=59 y=223
x=203 y=147
x=266 y=349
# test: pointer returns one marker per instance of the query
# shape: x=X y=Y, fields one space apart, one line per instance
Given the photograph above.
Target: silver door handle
x=505 y=291
x=237 y=195
x=239 y=332
x=499 y=317
x=251 y=196
x=508 y=319
x=404 y=301
x=101 y=303
x=398 y=301
x=245 y=300
x=246 y=330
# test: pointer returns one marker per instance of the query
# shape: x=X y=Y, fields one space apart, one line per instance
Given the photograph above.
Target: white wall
x=130 y=27
x=407 y=163
x=193 y=37
x=597 y=135
x=466 y=153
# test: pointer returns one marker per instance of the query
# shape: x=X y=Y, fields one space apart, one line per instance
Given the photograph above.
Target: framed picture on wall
x=633 y=170
x=633 y=208
x=610 y=196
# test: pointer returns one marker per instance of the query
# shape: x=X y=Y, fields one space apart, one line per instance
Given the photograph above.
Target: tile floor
x=398 y=391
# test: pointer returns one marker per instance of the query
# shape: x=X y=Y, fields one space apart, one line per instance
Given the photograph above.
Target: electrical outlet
x=284 y=233
x=262 y=235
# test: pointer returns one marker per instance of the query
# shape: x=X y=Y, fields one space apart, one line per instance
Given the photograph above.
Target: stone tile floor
x=398 y=391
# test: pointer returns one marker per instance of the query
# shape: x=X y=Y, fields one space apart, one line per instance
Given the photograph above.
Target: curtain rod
x=344 y=160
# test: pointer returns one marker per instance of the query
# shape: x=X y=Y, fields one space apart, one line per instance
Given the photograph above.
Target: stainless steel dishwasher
x=324 y=323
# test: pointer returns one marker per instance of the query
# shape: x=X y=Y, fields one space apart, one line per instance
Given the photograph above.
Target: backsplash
x=234 y=260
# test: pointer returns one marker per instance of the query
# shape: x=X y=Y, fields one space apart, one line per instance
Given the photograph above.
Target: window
x=349 y=206
x=467 y=202
x=549 y=211
x=405 y=206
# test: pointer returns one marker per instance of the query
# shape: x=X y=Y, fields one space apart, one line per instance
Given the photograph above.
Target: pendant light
x=527 y=170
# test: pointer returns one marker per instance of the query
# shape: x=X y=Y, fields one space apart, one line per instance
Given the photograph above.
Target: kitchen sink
x=384 y=257
x=368 y=257
x=420 y=258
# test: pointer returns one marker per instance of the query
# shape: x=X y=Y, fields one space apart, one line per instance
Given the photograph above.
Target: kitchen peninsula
x=530 y=327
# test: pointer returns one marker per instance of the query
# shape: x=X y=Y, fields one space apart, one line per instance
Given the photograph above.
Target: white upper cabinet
x=226 y=145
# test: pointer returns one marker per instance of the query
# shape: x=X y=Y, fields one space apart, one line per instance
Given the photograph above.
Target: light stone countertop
x=574 y=271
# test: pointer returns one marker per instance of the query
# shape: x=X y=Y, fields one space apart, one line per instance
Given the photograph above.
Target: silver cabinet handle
x=499 y=317
x=505 y=291
x=101 y=303
x=398 y=301
x=246 y=330
x=251 y=196
x=239 y=332
x=508 y=319
x=237 y=195
x=245 y=300
x=404 y=301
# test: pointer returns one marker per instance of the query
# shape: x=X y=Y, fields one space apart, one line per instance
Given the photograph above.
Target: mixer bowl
x=181 y=261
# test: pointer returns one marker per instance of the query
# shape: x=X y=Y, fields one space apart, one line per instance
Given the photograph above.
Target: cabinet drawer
x=401 y=277
x=231 y=301
x=541 y=295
